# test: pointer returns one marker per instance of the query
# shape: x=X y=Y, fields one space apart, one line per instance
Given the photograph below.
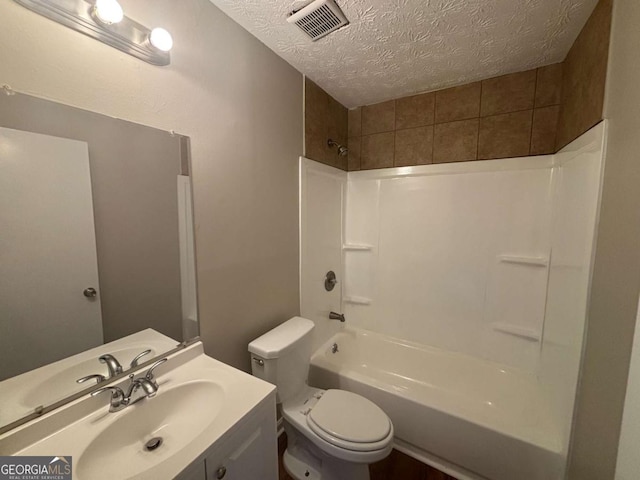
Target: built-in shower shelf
x=518 y=331
x=523 y=260
x=354 y=247
x=357 y=300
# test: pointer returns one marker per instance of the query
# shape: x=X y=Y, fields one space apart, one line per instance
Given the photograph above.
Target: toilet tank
x=281 y=356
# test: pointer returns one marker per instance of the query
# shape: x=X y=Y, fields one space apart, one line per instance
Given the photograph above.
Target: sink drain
x=152 y=444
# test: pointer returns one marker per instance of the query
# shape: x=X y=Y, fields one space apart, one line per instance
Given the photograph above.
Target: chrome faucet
x=139 y=388
x=337 y=316
x=113 y=365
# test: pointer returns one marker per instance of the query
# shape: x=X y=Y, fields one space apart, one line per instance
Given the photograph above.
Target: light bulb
x=161 y=39
x=109 y=11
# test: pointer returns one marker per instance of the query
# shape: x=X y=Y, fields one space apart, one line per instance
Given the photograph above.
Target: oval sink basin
x=176 y=415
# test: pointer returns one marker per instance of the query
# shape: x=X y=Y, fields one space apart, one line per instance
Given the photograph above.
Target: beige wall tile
x=549 y=86
x=414 y=146
x=458 y=103
x=455 y=141
x=355 y=122
x=584 y=77
x=503 y=136
x=337 y=122
x=377 y=151
x=325 y=118
x=456 y=135
x=379 y=118
x=355 y=148
x=340 y=162
x=415 y=111
x=315 y=121
x=545 y=127
x=316 y=102
x=314 y=147
x=508 y=93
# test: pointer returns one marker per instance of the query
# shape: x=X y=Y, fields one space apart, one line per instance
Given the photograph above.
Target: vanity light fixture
x=105 y=20
x=161 y=39
x=108 y=11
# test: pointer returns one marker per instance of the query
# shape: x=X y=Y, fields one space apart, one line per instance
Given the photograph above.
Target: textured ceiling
x=394 y=48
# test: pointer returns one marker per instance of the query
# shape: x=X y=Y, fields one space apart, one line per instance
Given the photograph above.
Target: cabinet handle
x=221 y=472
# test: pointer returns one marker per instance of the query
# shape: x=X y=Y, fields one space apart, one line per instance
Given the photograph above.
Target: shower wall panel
x=457 y=256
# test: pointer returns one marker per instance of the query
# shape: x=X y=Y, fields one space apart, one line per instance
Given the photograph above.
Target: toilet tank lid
x=277 y=341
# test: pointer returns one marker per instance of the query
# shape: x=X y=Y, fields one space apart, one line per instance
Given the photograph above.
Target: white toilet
x=332 y=434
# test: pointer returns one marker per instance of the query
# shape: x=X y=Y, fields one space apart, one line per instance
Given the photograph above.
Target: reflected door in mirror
x=49 y=292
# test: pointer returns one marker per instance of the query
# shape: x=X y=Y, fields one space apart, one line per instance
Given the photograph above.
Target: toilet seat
x=296 y=412
x=349 y=421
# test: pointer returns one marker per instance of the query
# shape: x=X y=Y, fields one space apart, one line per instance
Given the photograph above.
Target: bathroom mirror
x=96 y=247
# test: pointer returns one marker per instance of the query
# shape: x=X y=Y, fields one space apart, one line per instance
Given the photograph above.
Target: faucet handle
x=149 y=376
x=96 y=376
x=115 y=391
x=118 y=398
x=136 y=361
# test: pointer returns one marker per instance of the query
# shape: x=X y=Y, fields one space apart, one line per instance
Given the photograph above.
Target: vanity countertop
x=199 y=400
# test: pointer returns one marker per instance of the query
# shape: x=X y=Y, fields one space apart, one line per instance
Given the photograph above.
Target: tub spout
x=337 y=316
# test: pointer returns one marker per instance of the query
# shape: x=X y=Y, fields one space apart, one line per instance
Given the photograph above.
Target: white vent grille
x=319 y=19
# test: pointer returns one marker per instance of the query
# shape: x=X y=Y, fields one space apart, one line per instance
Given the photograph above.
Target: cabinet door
x=251 y=453
x=195 y=471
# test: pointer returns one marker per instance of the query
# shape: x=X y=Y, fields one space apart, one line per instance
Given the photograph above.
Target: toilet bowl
x=332 y=434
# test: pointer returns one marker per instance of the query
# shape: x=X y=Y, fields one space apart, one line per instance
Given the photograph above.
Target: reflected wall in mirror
x=97 y=243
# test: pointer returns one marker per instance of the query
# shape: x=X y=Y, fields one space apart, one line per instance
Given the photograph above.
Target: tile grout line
x=479 y=117
x=533 y=112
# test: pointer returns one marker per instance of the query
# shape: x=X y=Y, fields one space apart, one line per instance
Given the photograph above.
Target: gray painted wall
x=241 y=106
x=133 y=177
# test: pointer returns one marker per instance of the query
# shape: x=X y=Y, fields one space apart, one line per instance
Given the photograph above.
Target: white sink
x=199 y=400
x=176 y=415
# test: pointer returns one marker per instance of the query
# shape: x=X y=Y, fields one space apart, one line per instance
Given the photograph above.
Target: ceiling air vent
x=319 y=18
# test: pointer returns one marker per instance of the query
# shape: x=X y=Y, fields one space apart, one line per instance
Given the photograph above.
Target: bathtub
x=472 y=418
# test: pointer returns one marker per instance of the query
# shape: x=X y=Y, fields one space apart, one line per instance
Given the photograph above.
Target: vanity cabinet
x=249 y=451
x=195 y=471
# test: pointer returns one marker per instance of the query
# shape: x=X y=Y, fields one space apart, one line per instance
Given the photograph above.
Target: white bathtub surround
x=580 y=166
x=459 y=255
x=323 y=191
x=490 y=263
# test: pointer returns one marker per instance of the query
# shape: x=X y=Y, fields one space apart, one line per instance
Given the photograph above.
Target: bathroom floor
x=396 y=466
